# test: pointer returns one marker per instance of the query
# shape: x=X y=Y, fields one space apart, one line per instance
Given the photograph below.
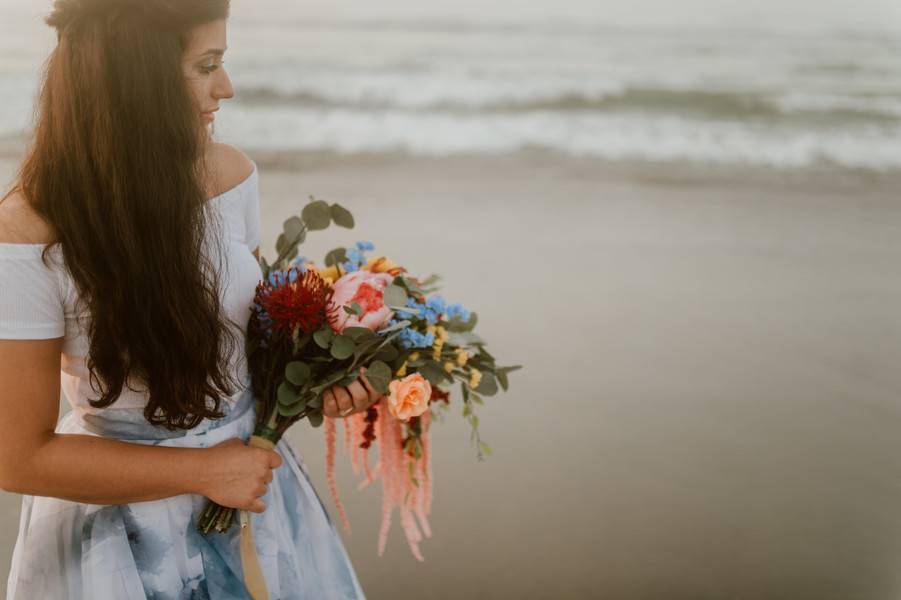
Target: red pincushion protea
x=301 y=303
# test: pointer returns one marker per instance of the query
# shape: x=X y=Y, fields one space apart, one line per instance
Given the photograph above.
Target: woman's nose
x=223 y=87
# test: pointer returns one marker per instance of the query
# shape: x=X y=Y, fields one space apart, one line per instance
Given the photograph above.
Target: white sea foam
x=763 y=98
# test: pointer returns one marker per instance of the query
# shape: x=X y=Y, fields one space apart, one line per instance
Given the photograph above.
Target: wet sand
x=711 y=405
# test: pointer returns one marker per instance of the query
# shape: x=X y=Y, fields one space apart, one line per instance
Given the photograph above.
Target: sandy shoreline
x=710 y=406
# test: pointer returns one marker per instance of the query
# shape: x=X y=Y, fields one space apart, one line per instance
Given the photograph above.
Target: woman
x=126 y=274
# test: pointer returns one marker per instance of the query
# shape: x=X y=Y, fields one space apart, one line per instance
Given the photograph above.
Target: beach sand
x=711 y=401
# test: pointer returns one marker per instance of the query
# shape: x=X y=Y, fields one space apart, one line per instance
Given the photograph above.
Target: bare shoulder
x=20 y=223
x=230 y=166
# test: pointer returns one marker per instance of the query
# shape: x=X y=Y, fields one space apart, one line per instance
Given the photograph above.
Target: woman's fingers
x=344 y=399
x=329 y=404
x=359 y=395
x=339 y=401
x=374 y=396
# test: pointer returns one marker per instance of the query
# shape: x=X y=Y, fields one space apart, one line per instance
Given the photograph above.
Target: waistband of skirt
x=131 y=425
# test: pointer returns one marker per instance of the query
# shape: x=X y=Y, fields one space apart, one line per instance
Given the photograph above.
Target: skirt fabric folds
x=143 y=550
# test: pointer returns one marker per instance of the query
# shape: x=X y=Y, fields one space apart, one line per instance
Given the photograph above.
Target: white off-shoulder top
x=37 y=302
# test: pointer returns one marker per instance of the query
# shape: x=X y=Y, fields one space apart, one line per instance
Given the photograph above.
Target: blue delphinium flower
x=356 y=257
x=365 y=246
x=456 y=310
x=349 y=267
x=300 y=264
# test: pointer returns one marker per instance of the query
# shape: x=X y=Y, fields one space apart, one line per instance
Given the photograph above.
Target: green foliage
x=488 y=384
x=343 y=347
x=379 y=376
x=291 y=410
x=317 y=215
x=297 y=373
x=342 y=217
x=336 y=257
x=434 y=372
x=287 y=393
x=315 y=418
x=324 y=337
x=458 y=325
x=353 y=309
x=395 y=296
x=358 y=334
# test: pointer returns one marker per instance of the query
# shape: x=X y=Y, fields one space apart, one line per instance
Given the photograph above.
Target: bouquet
x=314 y=327
x=300 y=341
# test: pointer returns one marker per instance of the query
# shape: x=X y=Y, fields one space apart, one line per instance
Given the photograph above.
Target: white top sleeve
x=252 y=211
x=31 y=300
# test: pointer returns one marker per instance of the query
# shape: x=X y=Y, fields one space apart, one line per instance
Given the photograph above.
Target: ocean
x=785 y=99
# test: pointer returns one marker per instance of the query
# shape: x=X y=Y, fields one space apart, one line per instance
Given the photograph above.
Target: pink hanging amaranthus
x=406 y=478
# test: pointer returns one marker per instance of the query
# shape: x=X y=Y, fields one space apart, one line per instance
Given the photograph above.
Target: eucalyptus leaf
x=293 y=228
x=353 y=309
x=315 y=418
x=297 y=373
x=317 y=215
x=434 y=372
x=281 y=244
x=324 y=337
x=458 y=325
x=342 y=217
x=358 y=333
x=315 y=402
x=291 y=410
x=365 y=346
x=343 y=347
x=488 y=385
x=395 y=296
x=464 y=339
x=386 y=353
x=336 y=257
x=396 y=327
x=287 y=393
x=379 y=375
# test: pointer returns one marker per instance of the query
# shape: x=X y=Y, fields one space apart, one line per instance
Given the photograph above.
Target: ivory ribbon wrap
x=253 y=573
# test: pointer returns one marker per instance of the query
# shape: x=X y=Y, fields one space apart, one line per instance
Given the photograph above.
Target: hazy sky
x=791 y=13
x=817 y=14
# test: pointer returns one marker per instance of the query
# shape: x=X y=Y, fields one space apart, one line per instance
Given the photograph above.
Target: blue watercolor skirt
x=72 y=551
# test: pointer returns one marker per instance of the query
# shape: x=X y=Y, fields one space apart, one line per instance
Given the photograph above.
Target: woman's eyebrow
x=213 y=52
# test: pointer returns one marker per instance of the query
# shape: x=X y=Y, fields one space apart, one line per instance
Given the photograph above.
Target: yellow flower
x=402 y=370
x=462 y=357
x=414 y=356
x=476 y=379
x=448 y=366
x=383 y=264
x=442 y=333
x=436 y=349
x=330 y=273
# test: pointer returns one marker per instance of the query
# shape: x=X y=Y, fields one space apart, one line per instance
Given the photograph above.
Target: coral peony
x=366 y=290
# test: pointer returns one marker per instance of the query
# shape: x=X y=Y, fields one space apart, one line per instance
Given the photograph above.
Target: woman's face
x=202 y=66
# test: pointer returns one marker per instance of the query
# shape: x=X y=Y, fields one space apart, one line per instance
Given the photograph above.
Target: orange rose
x=409 y=397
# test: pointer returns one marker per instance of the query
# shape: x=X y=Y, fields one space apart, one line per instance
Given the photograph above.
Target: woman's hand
x=339 y=401
x=238 y=474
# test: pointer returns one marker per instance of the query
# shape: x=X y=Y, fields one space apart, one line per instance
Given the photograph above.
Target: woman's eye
x=207 y=69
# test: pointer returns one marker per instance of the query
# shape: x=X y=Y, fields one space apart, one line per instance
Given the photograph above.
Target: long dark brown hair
x=117 y=169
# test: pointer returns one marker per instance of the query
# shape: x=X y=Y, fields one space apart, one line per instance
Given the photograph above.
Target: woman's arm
x=34 y=460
